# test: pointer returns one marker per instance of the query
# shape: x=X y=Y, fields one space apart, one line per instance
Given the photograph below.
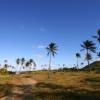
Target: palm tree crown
x=23 y=60
x=18 y=61
x=98 y=36
x=32 y=62
x=78 y=55
x=27 y=63
x=89 y=46
x=52 y=48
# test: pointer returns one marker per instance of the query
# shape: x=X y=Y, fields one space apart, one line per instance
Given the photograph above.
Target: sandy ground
x=17 y=84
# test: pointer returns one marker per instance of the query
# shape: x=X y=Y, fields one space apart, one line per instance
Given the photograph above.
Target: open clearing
x=61 y=86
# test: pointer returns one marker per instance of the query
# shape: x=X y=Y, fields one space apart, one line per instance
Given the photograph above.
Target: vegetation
x=71 y=85
x=89 y=46
x=51 y=49
x=78 y=56
x=64 y=84
x=98 y=36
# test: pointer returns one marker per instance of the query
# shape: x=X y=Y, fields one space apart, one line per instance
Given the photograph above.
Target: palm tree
x=98 y=54
x=89 y=46
x=27 y=64
x=51 y=51
x=88 y=57
x=32 y=63
x=82 y=63
x=98 y=36
x=78 y=56
x=5 y=64
x=18 y=61
x=23 y=62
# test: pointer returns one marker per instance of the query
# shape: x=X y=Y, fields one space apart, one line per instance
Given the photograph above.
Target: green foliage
x=51 y=49
x=89 y=46
x=4 y=71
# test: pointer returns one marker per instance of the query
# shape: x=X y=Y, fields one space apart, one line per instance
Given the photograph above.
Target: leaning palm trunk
x=49 y=69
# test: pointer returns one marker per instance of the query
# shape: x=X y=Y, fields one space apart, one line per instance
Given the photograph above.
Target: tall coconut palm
x=18 y=61
x=32 y=63
x=89 y=46
x=27 y=64
x=5 y=64
x=23 y=62
x=78 y=56
x=51 y=51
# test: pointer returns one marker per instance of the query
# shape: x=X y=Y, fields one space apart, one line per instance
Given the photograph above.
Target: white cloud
x=22 y=26
x=41 y=46
x=42 y=29
x=39 y=56
x=33 y=47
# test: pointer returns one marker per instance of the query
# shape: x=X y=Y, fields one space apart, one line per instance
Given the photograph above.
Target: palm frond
x=95 y=37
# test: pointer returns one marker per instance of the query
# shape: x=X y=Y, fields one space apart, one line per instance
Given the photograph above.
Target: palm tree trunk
x=88 y=61
x=77 y=63
x=49 y=69
x=88 y=65
x=20 y=69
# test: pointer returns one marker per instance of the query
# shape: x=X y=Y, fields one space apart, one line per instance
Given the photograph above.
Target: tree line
x=88 y=46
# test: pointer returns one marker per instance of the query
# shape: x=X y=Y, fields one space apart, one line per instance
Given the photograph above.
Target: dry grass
x=79 y=80
x=61 y=86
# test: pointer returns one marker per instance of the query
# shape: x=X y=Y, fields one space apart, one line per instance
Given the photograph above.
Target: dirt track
x=20 y=87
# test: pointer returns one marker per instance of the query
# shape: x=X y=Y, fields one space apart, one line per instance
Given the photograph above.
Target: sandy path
x=23 y=81
x=20 y=86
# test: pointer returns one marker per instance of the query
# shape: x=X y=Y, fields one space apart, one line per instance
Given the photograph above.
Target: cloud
x=41 y=46
x=34 y=47
x=39 y=56
x=42 y=29
x=22 y=26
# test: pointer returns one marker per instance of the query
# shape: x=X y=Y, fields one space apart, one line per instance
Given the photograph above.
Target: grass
x=61 y=86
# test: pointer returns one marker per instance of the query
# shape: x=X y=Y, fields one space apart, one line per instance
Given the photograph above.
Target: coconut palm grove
x=49 y=50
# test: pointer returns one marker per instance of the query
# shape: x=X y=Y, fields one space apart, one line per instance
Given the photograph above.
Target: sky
x=28 y=26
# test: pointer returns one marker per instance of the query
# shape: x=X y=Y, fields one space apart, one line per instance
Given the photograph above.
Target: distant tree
x=98 y=36
x=82 y=64
x=27 y=64
x=51 y=51
x=89 y=46
x=18 y=62
x=5 y=64
x=32 y=63
x=64 y=65
x=23 y=63
x=98 y=54
x=78 y=56
x=5 y=61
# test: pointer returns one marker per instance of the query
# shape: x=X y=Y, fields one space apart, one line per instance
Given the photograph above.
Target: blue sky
x=27 y=26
